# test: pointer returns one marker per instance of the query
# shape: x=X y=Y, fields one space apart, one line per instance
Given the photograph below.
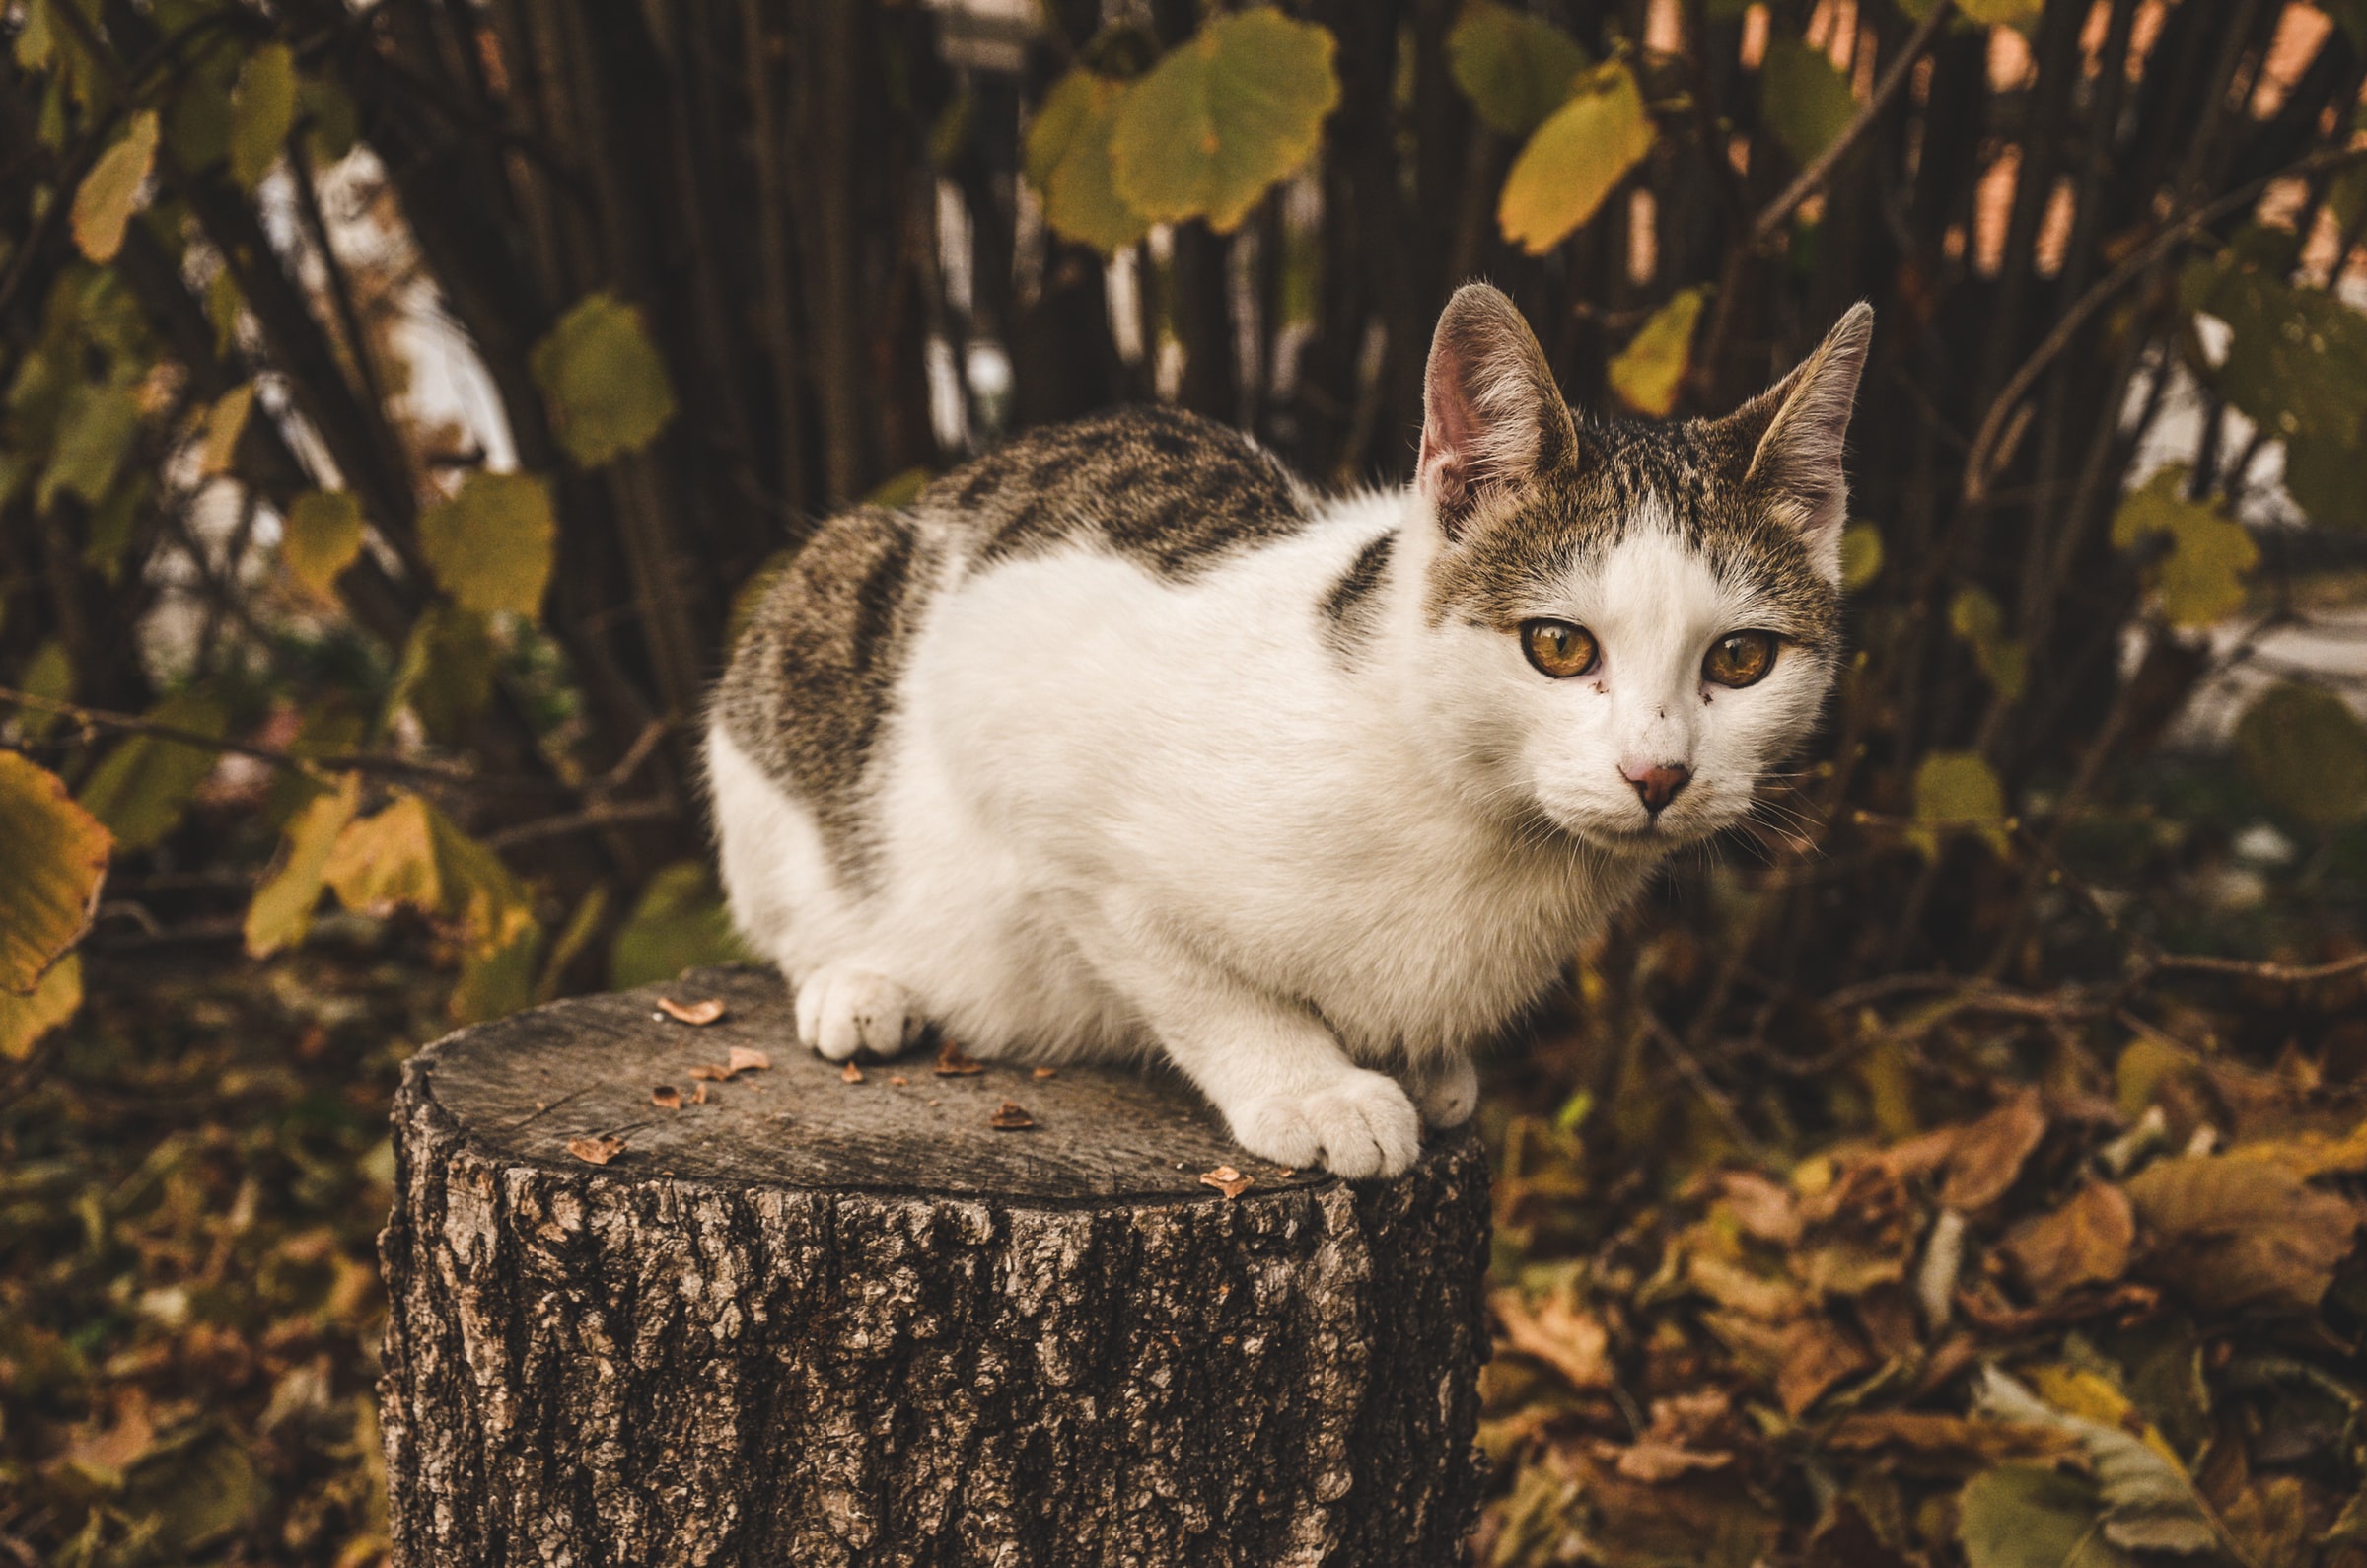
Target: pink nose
x=1657 y=786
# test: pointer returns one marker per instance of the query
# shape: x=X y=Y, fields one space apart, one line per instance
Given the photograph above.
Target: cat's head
x=1634 y=622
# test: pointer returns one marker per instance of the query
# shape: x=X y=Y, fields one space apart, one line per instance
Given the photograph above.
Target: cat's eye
x=1559 y=649
x=1740 y=658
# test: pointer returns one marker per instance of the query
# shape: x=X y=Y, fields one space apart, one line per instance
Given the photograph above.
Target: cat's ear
x=1799 y=424
x=1491 y=415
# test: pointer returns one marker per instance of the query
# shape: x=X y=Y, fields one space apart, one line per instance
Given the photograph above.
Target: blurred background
x=403 y=400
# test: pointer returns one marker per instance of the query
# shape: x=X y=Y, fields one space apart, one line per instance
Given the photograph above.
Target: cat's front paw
x=842 y=1010
x=1360 y=1124
x=1446 y=1088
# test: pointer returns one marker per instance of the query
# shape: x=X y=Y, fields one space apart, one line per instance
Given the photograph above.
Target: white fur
x=1122 y=814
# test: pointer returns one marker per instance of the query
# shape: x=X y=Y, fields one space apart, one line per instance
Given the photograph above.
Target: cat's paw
x=1360 y=1124
x=842 y=1010
x=1447 y=1088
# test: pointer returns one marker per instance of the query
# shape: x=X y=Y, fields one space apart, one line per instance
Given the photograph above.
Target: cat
x=1121 y=741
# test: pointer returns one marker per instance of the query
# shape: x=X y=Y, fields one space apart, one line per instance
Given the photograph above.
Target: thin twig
x=1812 y=179
x=590 y=819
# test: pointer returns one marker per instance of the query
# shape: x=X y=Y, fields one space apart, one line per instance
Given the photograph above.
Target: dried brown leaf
x=1762 y=1208
x=955 y=1062
x=1818 y=1353
x=712 y=1072
x=666 y=1097
x=1655 y=1461
x=1987 y=1157
x=743 y=1060
x=596 y=1149
x=1043 y=1072
x=1231 y=1182
x=703 y=1012
x=900 y=1080
x=2086 y=1242
x=698 y=1093
x=2232 y=1231
x=1932 y=1444
x=1011 y=1118
x=850 y=1073
x=1559 y=1332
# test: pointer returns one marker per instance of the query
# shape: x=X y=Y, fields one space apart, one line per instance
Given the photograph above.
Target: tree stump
x=817 y=1321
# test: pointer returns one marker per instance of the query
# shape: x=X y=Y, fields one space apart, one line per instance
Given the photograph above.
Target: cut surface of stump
x=982 y=1316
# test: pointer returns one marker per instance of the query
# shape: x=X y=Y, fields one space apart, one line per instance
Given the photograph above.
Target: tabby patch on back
x=1118 y=742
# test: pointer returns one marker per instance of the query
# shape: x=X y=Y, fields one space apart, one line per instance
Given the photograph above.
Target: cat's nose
x=1659 y=784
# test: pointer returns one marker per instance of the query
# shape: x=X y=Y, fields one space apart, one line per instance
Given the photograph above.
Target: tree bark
x=818 y=1322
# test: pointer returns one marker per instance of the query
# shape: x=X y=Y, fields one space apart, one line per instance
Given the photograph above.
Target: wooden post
x=814 y=1321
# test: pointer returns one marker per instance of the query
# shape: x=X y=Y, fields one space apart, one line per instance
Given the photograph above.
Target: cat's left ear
x=1799 y=424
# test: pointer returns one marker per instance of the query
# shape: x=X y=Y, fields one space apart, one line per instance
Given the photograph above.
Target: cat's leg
x=1446 y=1087
x=1286 y=1090
x=842 y=1009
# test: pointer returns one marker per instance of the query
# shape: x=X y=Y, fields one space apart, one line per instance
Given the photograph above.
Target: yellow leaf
x=1649 y=372
x=2306 y=750
x=1979 y=621
x=1861 y=555
x=412 y=856
x=602 y=379
x=1515 y=68
x=224 y=422
x=111 y=193
x=23 y=1020
x=1069 y=162
x=1224 y=116
x=498 y=971
x=491 y=546
x=1575 y=159
x=2201 y=579
x=1956 y=789
x=281 y=911
x=56 y=859
x=145 y=783
x=262 y=111
x=1803 y=100
x=319 y=537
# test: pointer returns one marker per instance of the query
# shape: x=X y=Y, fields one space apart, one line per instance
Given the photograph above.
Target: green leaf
x=2147 y=1498
x=1575 y=159
x=1224 y=116
x=2328 y=480
x=679 y=923
x=446 y=677
x=146 y=782
x=23 y=1020
x=281 y=911
x=1861 y=555
x=1958 y=789
x=224 y=422
x=94 y=435
x=603 y=381
x=1802 y=98
x=334 y=124
x=2002 y=13
x=49 y=672
x=2296 y=357
x=111 y=193
x=2020 y=1516
x=262 y=111
x=319 y=537
x=1650 y=371
x=56 y=859
x=1069 y=162
x=491 y=545
x=2306 y=752
x=1515 y=68
x=2201 y=579
x=1976 y=618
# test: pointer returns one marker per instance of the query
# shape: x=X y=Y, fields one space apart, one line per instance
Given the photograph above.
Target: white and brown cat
x=1120 y=740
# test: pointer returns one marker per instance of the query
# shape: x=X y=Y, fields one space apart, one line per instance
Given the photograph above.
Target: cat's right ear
x=1492 y=415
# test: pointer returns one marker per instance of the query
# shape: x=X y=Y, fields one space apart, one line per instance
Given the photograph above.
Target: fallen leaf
x=1043 y=1072
x=1987 y=1157
x=698 y=1093
x=706 y=1012
x=1010 y=1119
x=1762 y=1208
x=1816 y=1354
x=2018 y=1516
x=1930 y=1443
x=712 y=1072
x=1654 y=1460
x=667 y=1097
x=900 y=1080
x=1231 y=1182
x=2149 y=1501
x=1559 y=1332
x=2086 y=1242
x=953 y=1062
x=744 y=1061
x=2229 y=1232
x=597 y=1150
x=850 y=1073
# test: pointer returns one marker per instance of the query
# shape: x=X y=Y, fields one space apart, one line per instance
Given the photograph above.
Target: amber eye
x=1557 y=648
x=1740 y=658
